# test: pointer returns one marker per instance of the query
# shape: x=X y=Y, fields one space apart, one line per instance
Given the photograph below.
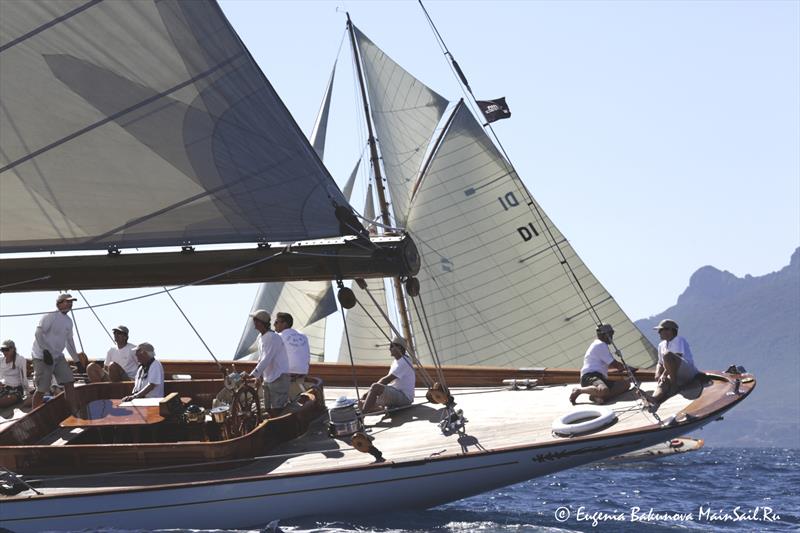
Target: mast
x=384 y=206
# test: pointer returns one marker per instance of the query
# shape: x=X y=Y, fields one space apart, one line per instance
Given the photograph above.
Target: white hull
x=253 y=502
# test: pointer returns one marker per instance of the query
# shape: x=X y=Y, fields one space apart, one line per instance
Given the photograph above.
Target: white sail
x=405 y=112
x=320 y=131
x=309 y=302
x=369 y=342
x=493 y=288
x=138 y=124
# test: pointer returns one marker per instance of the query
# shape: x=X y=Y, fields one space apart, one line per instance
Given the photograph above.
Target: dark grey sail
x=146 y=123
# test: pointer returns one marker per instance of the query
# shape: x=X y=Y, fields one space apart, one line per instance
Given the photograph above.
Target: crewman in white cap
x=272 y=368
x=53 y=335
x=675 y=366
x=121 y=363
x=594 y=373
x=396 y=388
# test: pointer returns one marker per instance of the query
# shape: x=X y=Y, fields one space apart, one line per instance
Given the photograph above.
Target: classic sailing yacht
x=170 y=110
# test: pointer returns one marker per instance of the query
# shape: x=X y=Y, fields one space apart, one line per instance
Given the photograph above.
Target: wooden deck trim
x=44 y=459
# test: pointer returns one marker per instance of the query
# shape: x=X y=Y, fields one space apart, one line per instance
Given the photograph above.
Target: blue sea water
x=713 y=489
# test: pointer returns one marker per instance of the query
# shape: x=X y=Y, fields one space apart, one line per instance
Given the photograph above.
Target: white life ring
x=584 y=419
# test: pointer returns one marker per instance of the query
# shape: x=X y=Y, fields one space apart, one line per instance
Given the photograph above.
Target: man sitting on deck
x=120 y=364
x=594 y=373
x=13 y=375
x=150 y=376
x=395 y=389
x=675 y=366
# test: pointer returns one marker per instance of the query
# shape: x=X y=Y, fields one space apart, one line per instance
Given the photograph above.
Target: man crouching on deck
x=594 y=374
x=396 y=388
x=675 y=367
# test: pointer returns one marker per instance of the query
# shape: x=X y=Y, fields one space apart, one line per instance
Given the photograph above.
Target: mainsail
x=495 y=290
x=139 y=124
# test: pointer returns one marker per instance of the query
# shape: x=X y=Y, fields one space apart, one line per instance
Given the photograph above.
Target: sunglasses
x=5 y=349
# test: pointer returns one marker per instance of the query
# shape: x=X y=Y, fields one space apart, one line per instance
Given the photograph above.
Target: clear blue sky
x=659 y=136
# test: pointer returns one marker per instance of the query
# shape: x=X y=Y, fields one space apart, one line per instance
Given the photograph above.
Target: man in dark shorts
x=594 y=374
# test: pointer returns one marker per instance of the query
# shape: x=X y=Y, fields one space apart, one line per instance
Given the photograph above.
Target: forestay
x=137 y=124
x=494 y=288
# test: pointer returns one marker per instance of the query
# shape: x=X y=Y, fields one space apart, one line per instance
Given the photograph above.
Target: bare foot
x=574 y=395
x=598 y=400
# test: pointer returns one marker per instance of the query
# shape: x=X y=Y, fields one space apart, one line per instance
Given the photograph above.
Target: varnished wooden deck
x=496 y=419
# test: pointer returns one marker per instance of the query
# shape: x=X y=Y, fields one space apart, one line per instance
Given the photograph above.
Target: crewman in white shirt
x=594 y=373
x=675 y=367
x=120 y=364
x=13 y=375
x=395 y=389
x=53 y=335
x=272 y=368
x=150 y=376
x=297 y=350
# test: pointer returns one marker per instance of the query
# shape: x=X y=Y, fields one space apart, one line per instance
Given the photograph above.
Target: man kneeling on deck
x=594 y=374
x=675 y=367
x=396 y=388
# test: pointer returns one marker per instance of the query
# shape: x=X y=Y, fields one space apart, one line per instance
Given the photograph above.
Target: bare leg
x=666 y=388
x=596 y=393
x=116 y=373
x=372 y=397
x=671 y=365
x=95 y=373
x=604 y=394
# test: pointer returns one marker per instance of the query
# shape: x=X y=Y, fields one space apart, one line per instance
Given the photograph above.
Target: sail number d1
x=527 y=232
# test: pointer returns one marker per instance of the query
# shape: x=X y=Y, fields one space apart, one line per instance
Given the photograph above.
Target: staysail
x=495 y=293
x=140 y=124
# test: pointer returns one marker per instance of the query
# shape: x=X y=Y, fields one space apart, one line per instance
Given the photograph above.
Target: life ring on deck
x=583 y=420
